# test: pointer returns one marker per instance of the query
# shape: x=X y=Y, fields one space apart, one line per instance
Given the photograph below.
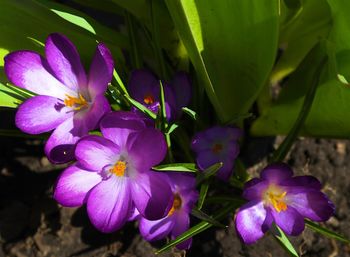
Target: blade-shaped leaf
x=181 y=167
x=284 y=241
x=203 y=194
x=203 y=216
x=324 y=231
x=208 y=172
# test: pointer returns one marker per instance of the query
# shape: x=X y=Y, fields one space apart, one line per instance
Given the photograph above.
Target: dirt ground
x=33 y=225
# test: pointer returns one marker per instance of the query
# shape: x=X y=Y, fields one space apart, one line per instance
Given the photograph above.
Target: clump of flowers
x=217 y=144
x=278 y=197
x=68 y=101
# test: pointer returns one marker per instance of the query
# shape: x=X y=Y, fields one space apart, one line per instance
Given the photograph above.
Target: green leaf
x=221 y=40
x=11 y=96
x=284 y=241
x=141 y=107
x=18 y=133
x=200 y=227
x=326 y=232
x=208 y=172
x=203 y=216
x=203 y=194
x=181 y=167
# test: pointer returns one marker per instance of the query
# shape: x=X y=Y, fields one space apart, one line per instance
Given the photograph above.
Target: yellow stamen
x=119 y=168
x=148 y=99
x=278 y=200
x=217 y=148
x=176 y=204
x=77 y=102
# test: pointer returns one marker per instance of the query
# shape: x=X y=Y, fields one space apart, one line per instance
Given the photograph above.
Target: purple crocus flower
x=145 y=88
x=113 y=173
x=178 y=219
x=217 y=144
x=68 y=101
x=280 y=198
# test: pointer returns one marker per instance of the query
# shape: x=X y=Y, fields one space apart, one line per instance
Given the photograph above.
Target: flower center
x=217 y=148
x=76 y=102
x=276 y=197
x=119 y=168
x=176 y=204
x=148 y=99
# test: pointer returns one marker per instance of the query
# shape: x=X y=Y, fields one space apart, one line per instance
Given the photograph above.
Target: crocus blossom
x=113 y=173
x=68 y=100
x=217 y=144
x=145 y=88
x=279 y=197
x=178 y=219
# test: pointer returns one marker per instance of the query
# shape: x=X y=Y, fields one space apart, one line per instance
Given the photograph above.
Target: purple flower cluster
x=113 y=172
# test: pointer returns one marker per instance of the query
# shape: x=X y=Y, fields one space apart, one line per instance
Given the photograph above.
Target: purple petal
x=181 y=87
x=73 y=185
x=313 y=205
x=303 y=181
x=290 y=221
x=249 y=221
x=101 y=71
x=143 y=83
x=254 y=189
x=206 y=158
x=181 y=181
x=276 y=172
x=152 y=194
x=41 y=114
x=117 y=126
x=95 y=152
x=153 y=230
x=109 y=204
x=182 y=223
x=225 y=172
x=64 y=61
x=93 y=116
x=147 y=148
x=200 y=143
x=29 y=70
x=60 y=146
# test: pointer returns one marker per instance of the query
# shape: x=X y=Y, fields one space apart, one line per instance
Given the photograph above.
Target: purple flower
x=113 y=176
x=178 y=219
x=68 y=101
x=278 y=197
x=217 y=144
x=145 y=88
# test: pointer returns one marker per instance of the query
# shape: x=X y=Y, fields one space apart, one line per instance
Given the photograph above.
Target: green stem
x=284 y=148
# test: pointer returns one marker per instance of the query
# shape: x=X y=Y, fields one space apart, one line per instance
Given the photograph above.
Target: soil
x=33 y=225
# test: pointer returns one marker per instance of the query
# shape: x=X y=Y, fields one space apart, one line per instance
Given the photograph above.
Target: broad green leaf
x=328 y=115
x=182 y=167
x=25 y=23
x=284 y=241
x=232 y=45
x=324 y=231
x=300 y=33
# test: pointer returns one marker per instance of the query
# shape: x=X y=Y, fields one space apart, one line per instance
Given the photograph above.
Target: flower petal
x=153 y=230
x=276 y=172
x=254 y=189
x=313 y=205
x=64 y=61
x=249 y=221
x=143 y=83
x=29 y=70
x=117 y=126
x=147 y=148
x=60 y=146
x=206 y=158
x=303 y=181
x=95 y=152
x=290 y=221
x=73 y=185
x=41 y=114
x=109 y=204
x=182 y=223
x=181 y=181
x=101 y=71
x=96 y=111
x=152 y=194
x=181 y=87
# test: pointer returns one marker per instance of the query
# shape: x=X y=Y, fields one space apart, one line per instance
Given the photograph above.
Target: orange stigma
x=275 y=196
x=76 y=102
x=148 y=99
x=176 y=204
x=217 y=148
x=119 y=168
